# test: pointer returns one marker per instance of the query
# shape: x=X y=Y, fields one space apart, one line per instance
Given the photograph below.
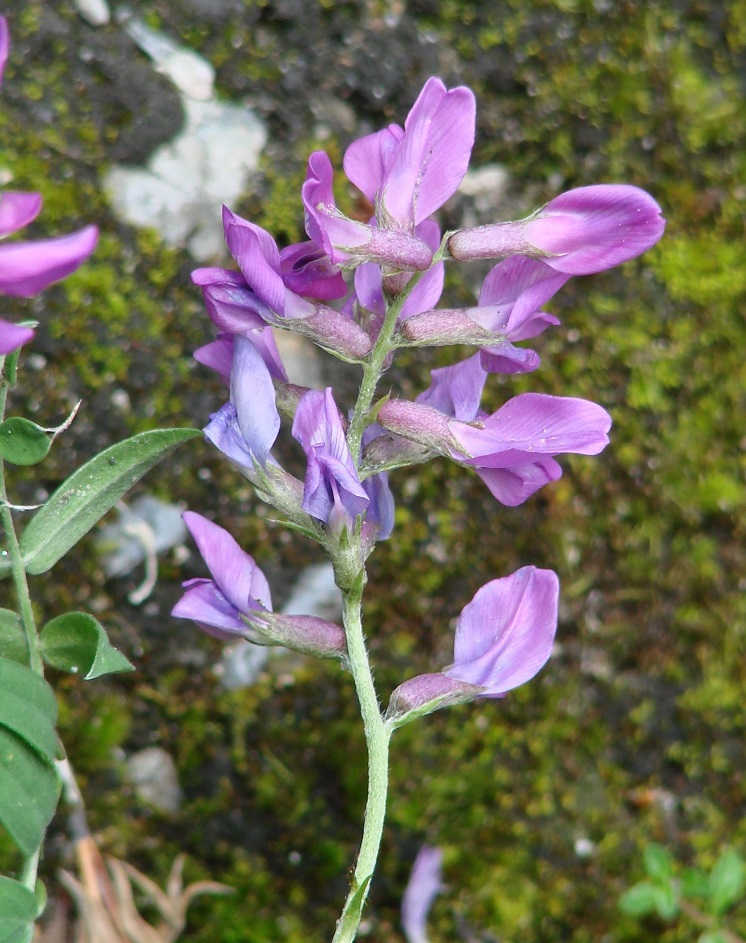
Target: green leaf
x=666 y=901
x=658 y=863
x=29 y=790
x=28 y=707
x=695 y=883
x=78 y=643
x=90 y=492
x=727 y=882
x=12 y=637
x=18 y=910
x=22 y=442
x=638 y=901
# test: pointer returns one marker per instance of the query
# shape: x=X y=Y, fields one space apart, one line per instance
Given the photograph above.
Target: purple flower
x=13 y=336
x=456 y=390
x=580 y=232
x=245 y=429
x=237 y=600
x=409 y=173
x=262 y=292
x=379 y=517
x=425 y=883
x=218 y=356
x=26 y=268
x=512 y=450
x=238 y=586
x=508 y=307
x=369 y=285
x=509 y=303
x=308 y=271
x=504 y=636
x=344 y=239
x=332 y=493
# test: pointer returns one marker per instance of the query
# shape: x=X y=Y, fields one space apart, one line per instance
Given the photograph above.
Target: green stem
x=26 y=611
x=377 y=731
x=377 y=736
x=374 y=368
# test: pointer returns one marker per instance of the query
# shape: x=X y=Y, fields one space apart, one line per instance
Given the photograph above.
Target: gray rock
x=152 y=773
x=120 y=544
x=183 y=184
x=95 y=12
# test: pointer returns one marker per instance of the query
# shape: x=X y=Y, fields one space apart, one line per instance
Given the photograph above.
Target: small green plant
x=702 y=898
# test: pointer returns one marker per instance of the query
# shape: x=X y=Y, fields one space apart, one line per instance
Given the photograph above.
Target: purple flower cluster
x=391 y=300
x=26 y=268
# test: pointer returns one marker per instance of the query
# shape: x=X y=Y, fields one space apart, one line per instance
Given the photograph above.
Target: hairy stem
x=377 y=736
x=374 y=368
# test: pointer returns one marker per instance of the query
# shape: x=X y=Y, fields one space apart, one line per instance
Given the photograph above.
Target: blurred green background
x=635 y=730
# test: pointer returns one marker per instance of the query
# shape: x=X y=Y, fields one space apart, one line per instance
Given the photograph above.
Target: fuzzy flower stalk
x=362 y=289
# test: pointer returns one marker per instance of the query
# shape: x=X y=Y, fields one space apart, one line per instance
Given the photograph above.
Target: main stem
x=377 y=733
x=377 y=736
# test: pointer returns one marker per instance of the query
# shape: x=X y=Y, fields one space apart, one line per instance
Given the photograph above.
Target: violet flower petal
x=511 y=295
x=538 y=423
x=432 y=158
x=17 y=210
x=426 y=293
x=27 y=268
x=13 y=336
x=456 y=390
x=425 y=883
x=504 y=636
x=509 y=359
x=224 y=433
x=367 y=159
x=513 y=485
x=306 y=270
x=253 y=394
x=332 y=490
x=380 y=512
x=234 y=571
x=204 y=603
x=591 y=229
x=231 y=304
x=258 y=257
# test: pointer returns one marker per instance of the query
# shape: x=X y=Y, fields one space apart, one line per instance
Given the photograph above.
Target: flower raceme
x=504 y=636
